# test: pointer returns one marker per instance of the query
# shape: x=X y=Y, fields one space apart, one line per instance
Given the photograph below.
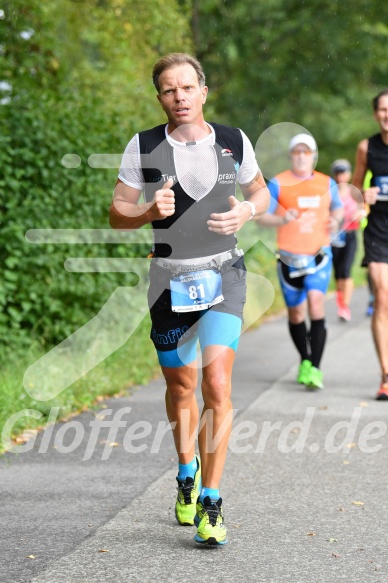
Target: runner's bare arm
x=126 y=212
x=361 y=165
x=368 y=196
x=275 y=220
x=256 y=191
x=252 y=190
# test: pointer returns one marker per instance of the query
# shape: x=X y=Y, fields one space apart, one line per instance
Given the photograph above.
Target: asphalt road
x=304 y=497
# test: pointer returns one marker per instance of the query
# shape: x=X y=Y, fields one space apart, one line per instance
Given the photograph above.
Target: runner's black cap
x=339 y=166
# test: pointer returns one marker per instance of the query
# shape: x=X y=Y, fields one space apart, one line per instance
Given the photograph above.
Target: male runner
x=372 y=154
x=188 y=170
x=305 y=208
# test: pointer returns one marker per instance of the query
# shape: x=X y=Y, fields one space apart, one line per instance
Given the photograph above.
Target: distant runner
x=372 y=154
x=306 y=209
x=345 y=245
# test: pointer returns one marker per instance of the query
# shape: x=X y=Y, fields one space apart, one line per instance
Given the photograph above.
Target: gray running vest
x=185 y=234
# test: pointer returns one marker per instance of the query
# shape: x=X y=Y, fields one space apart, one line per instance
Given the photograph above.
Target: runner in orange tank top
x=307 y=212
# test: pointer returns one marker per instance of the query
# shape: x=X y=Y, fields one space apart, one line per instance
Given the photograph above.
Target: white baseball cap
x=305 y=139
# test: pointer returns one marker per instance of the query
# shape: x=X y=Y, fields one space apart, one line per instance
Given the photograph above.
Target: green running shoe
x=188 y=492
x=304 y=372
x=210 y=523
x=316 y=379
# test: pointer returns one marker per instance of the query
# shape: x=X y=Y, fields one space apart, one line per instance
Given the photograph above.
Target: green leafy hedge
x=37 y=294
x=75 y=80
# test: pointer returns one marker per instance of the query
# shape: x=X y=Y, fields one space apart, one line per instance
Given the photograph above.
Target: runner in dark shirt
x=372 y=154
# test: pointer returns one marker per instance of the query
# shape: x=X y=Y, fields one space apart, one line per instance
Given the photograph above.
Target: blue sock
x=187 y=470
x=213 y=494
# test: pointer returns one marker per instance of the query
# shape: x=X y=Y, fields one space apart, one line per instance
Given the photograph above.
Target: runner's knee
x=316 y=305
x=297 y=314
x=216 y=390
x=381 y=301
x=181 y=384
x=179 y=393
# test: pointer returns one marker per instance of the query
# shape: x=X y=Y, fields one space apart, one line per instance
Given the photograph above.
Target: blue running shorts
x=175 y=334
x=295 y=289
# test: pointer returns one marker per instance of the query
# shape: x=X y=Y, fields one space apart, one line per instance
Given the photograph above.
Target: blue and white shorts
x=295 y=289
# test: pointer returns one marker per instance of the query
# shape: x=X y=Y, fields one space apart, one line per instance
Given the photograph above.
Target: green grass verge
x=134 y=363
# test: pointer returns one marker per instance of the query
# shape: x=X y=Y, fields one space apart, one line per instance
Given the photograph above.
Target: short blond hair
x=173 y=60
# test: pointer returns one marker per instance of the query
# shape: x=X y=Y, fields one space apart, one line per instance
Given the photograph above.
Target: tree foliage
x=75 y=80
x=315 y=63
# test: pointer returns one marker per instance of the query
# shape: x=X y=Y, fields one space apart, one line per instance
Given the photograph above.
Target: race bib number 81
x=196 y=290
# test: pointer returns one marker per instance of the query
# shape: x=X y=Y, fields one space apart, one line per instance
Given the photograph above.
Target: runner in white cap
x=306 y=210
